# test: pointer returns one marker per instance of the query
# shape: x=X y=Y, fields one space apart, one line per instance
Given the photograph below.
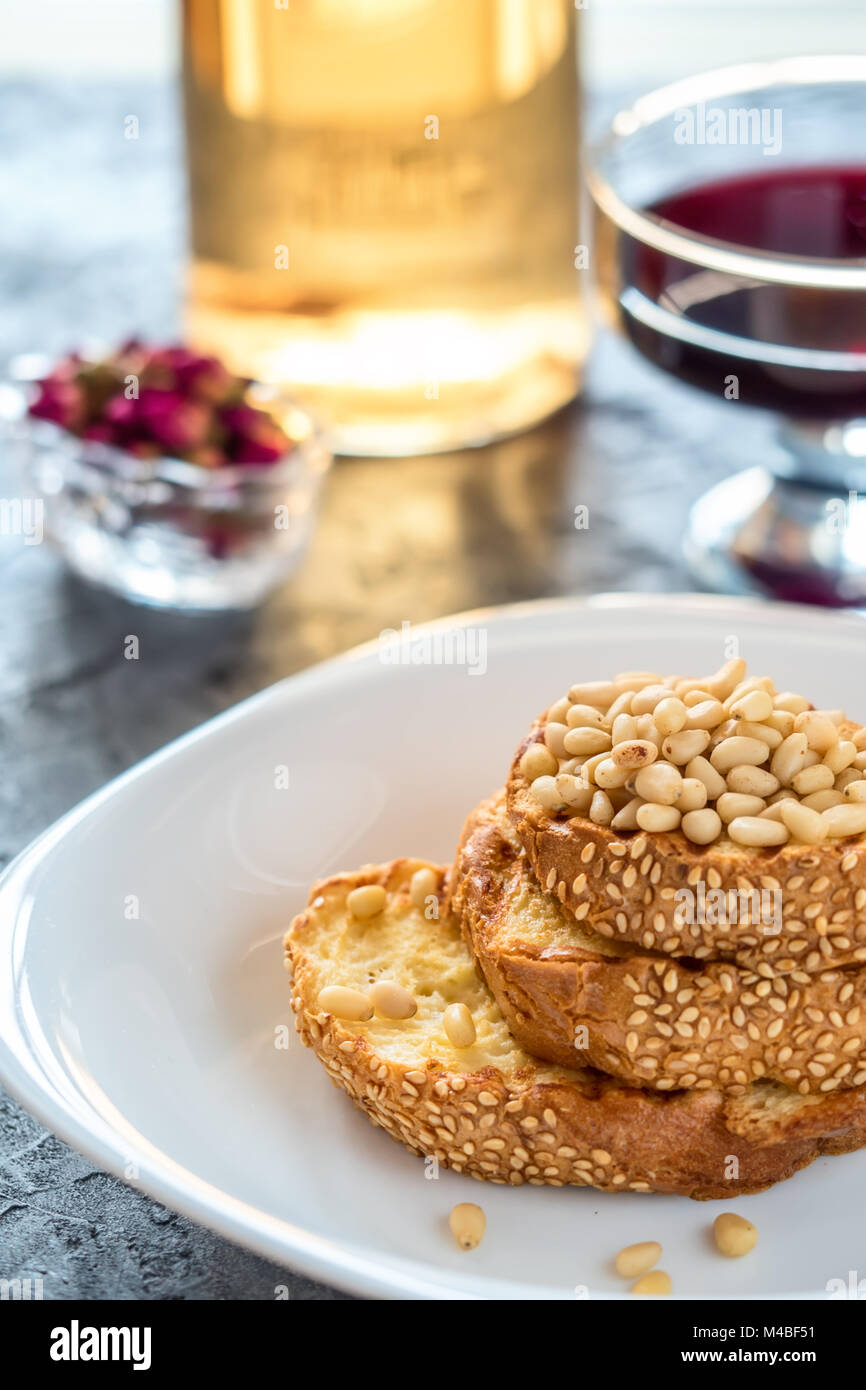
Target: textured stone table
x=91 y=244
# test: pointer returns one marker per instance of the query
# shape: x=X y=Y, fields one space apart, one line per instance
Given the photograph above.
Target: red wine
x=793 y=348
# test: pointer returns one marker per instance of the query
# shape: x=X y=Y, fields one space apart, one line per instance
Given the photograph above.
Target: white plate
x=149 y=1043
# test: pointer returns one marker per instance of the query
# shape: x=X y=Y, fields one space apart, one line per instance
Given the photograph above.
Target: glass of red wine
x=731 y=250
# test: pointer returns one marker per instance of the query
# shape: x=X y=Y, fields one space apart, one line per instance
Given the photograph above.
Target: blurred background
x=93 y=245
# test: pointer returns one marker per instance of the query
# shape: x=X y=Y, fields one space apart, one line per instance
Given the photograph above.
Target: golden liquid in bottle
x=384 y=209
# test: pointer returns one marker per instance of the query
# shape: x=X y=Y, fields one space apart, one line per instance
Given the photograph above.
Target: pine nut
x=836 y=716
x=654 y=816
x=636 y=753
x=348 y=1004
x=772 y=737
x=734 y=1235
x=669 y=715
x=752 y=683
x=459 y=1026
x=574 y=792
x=702 y=827
x=656 y=1284
x=842 y=821
x=823 y=801
x=790 y=704
x=840 y=757
x=584 y=716
x=860 y=761
x=468 y=1223
x=726 y=730
x=623 y=728
x=687 y=744
x=423 y=885
x=621 y=705
x=635 y=1260
x=752 y=781
x=707 y=715
x=730 y=805
x=586 y=741
x=548 y=795
x=558 y=711
x=781 y=721
x=611 y=775
x=590 y=764
x=554 y=738
x=858 y=738
x=646 y=728
x=806 y=826
x=725 y=680
x=754 y=831
x=599 y=694
x=697 y=697
x=366 y=901
x=538 y=761
x=731 y=752
x=662 y=782
x=844 y=779
x=638 y=679
x=392 y=1001
x=789 y=758
x=626 y=819
x=646 y=699
x=693 y=795
x=813 y=779
x=855 y=791
x=771 y=813
x=756 y=705
x=601 y=810
x=703 y=769
x=821 y=733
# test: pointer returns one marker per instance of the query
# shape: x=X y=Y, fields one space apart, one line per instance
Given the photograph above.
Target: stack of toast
x=610 y=990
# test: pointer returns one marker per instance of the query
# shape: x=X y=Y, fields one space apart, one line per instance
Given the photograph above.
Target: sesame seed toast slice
x=490 y=1110
x=570 y=994
x=660 y=891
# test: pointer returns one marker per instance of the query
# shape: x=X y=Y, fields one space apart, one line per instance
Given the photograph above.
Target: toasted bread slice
x=626 y=884
x=493 y=1112
x=570 y=994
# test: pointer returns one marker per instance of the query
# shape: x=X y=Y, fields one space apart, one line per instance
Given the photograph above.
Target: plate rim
x=179 y=1188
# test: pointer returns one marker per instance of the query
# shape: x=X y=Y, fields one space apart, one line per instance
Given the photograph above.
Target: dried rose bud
x=60 y=401
x=177 y=424
x=254 y=451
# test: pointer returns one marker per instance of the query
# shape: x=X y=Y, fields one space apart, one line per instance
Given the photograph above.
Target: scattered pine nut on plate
x=635 y=1260
x=468 y=1224
x=656 y=1284
x=734 y=1235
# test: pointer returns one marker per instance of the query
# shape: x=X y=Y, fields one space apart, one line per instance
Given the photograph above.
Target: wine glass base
x=757 y=533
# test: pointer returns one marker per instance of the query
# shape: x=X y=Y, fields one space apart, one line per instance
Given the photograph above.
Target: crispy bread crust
x=625 y=884
x=545 y=1125
x=649 y=1019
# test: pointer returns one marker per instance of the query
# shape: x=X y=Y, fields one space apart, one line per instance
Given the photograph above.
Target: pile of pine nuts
x=722 y=755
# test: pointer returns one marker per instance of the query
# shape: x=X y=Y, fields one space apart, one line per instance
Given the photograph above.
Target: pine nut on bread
x=493 y=1112
x=571 y=995
x=622 y=870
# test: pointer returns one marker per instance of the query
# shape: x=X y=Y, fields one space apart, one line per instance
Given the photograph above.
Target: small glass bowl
x=165 y=532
